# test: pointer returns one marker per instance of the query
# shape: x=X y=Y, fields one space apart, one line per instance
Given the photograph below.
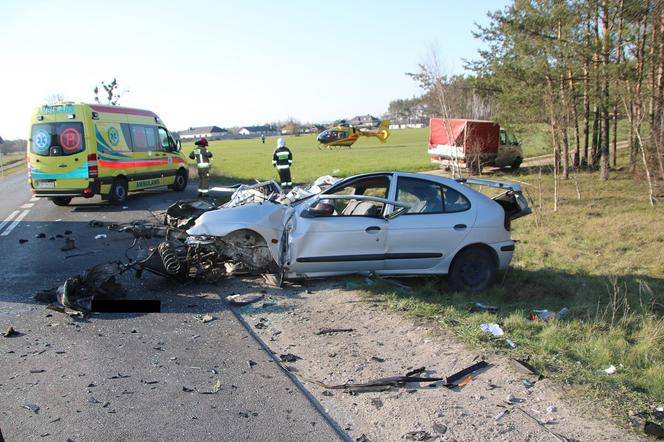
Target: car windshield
x=57 y=139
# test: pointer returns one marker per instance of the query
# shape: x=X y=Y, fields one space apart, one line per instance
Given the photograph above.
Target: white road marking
x=27 y=206
x=34 y=199
x=8 y=219
x=15 y=223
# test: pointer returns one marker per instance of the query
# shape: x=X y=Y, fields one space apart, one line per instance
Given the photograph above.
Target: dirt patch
x=495 y=404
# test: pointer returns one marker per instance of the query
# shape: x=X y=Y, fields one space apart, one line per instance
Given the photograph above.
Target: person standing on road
x=282 y=160
x=202 y=156
x=263 y=138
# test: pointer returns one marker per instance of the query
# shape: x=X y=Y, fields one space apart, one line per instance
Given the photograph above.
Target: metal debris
x=382 y=384
x=78 y=292
x=329 y=331
x=524 y=367
x=244 y=299
x=289 y=357
x=420 y=435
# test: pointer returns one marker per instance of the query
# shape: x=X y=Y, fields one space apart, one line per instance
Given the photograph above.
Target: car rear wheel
x=119 y=191
x=61 y=200
x=472 y=270
x=180 y=182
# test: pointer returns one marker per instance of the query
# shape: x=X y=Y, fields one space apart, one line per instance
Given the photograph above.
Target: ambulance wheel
x=61 y=200
x=516 y=164
x=119 y=191
x=180 y=182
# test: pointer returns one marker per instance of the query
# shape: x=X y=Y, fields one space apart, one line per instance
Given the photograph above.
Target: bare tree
x=111 y=91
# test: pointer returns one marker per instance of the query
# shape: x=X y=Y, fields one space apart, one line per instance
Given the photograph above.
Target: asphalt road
x=128 y=376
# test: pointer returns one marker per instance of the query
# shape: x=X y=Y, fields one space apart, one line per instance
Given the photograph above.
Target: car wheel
x=472 y=270
x=516 y=164
x=119 y=191
x=180 y=182
x=61 y=200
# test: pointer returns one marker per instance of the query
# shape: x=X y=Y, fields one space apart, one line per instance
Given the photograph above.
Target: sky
x=229 y=63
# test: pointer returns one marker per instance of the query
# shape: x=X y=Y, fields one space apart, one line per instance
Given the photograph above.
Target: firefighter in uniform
x=282 y=160
x=202 y=156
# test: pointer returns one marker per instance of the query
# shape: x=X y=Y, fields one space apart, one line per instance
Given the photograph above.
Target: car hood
x=263 y=218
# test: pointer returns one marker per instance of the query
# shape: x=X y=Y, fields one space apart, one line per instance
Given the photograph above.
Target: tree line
x=578 y=65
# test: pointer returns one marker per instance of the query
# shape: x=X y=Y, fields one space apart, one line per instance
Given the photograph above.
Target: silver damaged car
x=384 y=223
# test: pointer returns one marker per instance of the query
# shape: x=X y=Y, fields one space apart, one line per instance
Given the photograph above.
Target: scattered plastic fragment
x=244 y=299
x=100 y=236
x=501 y=415
x=40 y=235
x=32 y=407
x=96 y=223
x=466 y=380
x=551 y=409
x=510 y=343
x=187 y=389
x=611 y=370
x=22 y=241
x=451 y=381
x=546 y=315
x=67 y=232
x=205 y=318
x=251 y=363
x=10 y=332
x=216 y=387
x=439 y=428
x=492 y=328
x=479 y=307
x=119 y=376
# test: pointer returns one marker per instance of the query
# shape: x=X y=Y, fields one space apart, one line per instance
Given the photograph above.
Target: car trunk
x=511 y=200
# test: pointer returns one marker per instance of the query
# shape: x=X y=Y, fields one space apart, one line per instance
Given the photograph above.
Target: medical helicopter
x=343 y=134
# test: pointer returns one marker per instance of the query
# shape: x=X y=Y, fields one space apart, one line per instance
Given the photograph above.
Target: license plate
x=45 y=184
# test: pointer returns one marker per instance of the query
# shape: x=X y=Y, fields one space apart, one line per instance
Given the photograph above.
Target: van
x=472 y=144
x=83 y=150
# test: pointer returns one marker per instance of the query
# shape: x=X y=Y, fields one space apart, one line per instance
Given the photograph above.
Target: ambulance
x=83 y=150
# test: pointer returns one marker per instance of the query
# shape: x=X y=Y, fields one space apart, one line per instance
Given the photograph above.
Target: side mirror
x=396 y=213
x=178 y=146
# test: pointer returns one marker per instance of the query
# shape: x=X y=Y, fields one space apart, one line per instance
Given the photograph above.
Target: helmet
x=281 y=142
x=202 y=142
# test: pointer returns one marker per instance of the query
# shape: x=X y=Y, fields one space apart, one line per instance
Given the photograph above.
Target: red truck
x=472 y=144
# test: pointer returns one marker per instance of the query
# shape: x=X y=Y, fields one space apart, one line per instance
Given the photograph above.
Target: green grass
x=601 y=257
x=13 y=162
x=249 y=159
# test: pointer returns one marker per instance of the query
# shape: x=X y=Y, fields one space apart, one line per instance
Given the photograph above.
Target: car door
x=342 y=230
x=438 y=220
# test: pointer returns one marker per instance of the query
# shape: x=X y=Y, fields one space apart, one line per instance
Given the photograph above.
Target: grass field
x=12 y=162
x=406 y=149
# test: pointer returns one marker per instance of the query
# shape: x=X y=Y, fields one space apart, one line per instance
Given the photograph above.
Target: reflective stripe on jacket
x=282 y=158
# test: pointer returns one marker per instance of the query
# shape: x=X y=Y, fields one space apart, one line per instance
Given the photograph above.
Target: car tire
x=61 y=200
x=180 y=182
x=473 y=270
x=119 y=191
x=516 y=164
